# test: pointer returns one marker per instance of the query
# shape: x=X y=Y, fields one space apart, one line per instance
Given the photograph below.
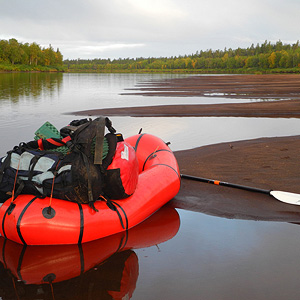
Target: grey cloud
x=134 y=28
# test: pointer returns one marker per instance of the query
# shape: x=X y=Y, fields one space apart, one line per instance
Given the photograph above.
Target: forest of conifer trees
x=266 y=57
x=262 y=58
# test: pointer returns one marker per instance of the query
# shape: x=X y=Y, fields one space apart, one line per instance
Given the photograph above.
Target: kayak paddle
x=286 y=197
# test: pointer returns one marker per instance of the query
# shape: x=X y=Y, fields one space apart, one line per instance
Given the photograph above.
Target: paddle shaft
x=217 y=182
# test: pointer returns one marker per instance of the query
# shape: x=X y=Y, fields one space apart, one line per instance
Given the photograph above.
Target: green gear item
x=47 y=131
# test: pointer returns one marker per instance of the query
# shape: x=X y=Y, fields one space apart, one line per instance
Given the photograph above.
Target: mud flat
x=279 y=109
x=228 y=86
x=281 y=91
x=268 y=163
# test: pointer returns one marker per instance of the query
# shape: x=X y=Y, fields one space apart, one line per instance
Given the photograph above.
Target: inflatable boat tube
x=30 y=220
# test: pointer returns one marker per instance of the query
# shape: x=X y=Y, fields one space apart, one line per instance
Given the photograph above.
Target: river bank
x=268 y=163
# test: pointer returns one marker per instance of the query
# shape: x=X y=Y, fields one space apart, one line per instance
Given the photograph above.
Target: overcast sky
x=148 y=28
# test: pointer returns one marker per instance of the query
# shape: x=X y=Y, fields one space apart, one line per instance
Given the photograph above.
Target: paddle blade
x=286 y=197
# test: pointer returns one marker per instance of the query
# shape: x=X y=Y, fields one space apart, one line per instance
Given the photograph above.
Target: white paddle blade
x=290 y=198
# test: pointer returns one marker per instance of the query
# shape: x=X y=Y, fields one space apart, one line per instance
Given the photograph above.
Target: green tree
x=263 y=61
x=15 y=51
x=4 y=51
x=34 y=50
x=272 y=60
x=284 y=60
x=58 y=58
x=49 y=56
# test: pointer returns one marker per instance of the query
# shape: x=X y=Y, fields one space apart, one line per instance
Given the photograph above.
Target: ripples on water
x=209 y=258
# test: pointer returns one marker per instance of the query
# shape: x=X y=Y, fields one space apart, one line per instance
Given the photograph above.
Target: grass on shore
x=64 y=68
x=28 y=68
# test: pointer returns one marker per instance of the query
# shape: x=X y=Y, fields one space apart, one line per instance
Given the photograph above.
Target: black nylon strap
x=152 y=155
x=81 y=223
x=112 y=206
x=100 y=129
x=32 y=165
x=138 y=141
x=126 y=218
x=90 y=194
x=89 y=181
x=5 y=164
x=20 y=219
x=19 y=189
x=170 y=168
x=7 y=212
x=108 y=124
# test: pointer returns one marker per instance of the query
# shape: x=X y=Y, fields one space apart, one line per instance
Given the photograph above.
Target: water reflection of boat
x=106 y=266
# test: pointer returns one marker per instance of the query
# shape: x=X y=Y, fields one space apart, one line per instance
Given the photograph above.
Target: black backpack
x=76 y=176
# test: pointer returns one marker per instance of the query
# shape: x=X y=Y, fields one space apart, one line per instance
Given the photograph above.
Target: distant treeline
x=15 y=56
x=266 y=57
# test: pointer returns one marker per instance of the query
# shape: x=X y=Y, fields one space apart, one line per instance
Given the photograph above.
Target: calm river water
x=174 y=254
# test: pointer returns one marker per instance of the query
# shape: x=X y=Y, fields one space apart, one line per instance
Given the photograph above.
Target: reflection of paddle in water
x=106 y=267
x=233 y=203
x=286 y=197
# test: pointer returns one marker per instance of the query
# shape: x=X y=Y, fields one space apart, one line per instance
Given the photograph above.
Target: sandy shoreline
x=268 y=163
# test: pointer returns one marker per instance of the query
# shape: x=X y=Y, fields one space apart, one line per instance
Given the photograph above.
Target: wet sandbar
x=268 y=163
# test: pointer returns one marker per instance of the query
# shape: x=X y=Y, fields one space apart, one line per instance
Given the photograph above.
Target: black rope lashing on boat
x=20 y=219
x=81 y=223
x=113 y=206
x=126 y=219
x=138 y=141
x=153 y=154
